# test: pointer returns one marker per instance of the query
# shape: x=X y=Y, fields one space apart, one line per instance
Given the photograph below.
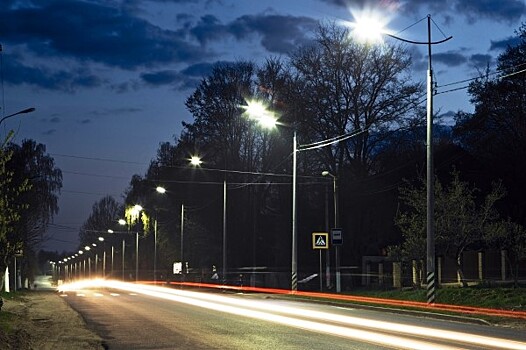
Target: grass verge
x=495 y=298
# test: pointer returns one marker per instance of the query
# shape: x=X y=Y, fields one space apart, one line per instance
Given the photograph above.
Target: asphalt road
x=131 y=318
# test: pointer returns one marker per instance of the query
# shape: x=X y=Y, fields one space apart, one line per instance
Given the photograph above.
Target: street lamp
x=267 y=119
x=25 y=111
x=430 y=266
x=87 y=249
x=135 y=212
x=335 y=198
x=101 y=239
x=196 y=161
x=162 y=190
x=122 y=222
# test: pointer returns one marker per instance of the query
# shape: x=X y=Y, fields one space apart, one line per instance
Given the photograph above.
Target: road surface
x=128 y=316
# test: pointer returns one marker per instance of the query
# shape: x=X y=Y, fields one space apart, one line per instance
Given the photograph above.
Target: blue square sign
x=337 y=236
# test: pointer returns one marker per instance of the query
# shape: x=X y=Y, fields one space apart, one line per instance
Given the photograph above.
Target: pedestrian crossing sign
x=320 y=240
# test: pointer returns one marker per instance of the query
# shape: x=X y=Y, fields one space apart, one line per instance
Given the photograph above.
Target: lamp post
x=101 y=239
x=267 y=120
x=87 y=249
x=25 y=111
x=294 y=266
x=336 y=249
x=137 y=210
x=196 y=161
x=182 y=236
x=122 y=222
x=160 y=190
x=430 y=235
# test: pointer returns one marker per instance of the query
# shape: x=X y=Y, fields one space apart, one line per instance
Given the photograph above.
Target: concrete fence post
x=439 y=270
x=503 y=264
x=397 y=274
x=381 y=273
x=480 y=265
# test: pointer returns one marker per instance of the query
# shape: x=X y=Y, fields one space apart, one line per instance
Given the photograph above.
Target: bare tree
x=342 y=86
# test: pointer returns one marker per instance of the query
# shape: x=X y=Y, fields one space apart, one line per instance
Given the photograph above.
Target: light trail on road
x=366 y=330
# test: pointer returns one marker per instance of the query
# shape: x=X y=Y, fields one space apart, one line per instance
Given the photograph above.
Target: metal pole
x=27 y=110
x=182 y=237
x=123 y=250
x=294 y=267
x=336 y=223
x=96 y=263
x=224 y=230
x=321 y=273
x=137 y=256
x=89 y=267
x=430 y=192
x=104 y=263
x=155 y=251
x=327 y=251
x=15 y=276
x=112 y=257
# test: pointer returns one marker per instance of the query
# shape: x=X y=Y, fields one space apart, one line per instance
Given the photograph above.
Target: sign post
x=337 y=240
x=320 y=241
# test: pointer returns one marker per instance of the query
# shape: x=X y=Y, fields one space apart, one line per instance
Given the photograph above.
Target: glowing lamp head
x=101 y=239
x=259 y=112
x=121 y=222
x=369 y=26
x=195 y=161
x=160 y=189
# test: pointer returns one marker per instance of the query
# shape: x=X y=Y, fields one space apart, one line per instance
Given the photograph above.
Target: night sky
x=108 y=78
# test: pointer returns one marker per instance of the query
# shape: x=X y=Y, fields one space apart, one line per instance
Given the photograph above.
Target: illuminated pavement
x=130 y=316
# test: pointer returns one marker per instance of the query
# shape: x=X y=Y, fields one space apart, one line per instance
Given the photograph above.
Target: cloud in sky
x=60 y=28
x=504 y=43
x=120 y=38
x=102 y=33
x=450 y=58
x=481 y=60
x=16 y=72
x=473 y=10
x=49 y=132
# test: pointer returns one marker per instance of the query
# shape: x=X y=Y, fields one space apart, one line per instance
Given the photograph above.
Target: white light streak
x=318 y=320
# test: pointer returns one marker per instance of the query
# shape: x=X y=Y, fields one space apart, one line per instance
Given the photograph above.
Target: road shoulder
x=43 y=320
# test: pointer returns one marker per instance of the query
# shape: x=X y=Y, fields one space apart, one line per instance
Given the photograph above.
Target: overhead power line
x=496 y=72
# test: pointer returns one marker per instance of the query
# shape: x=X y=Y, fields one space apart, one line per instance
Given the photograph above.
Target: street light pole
x=430 y=234
x=137 y=256
x=123 y=250
x=294 y=267
x=430 y=268
x=155 y=251
x=27 y=110
x=183 y=265
x=224 y=230
x=336 y=223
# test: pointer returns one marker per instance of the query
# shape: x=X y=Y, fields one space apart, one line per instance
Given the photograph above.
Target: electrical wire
x=97 y=159
x=328 y=143
x=486 y=75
